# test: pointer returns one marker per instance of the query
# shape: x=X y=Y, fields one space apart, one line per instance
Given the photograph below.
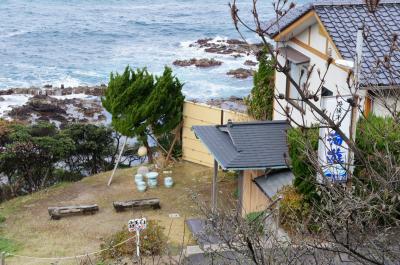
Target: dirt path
x=29 y=225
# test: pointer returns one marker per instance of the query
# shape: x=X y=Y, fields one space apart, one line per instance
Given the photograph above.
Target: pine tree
x=142 y=104
x=164 y=106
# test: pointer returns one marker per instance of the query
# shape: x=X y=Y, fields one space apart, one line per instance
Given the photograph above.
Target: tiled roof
x=250 y=145
x=342 y=20
x=271 y=183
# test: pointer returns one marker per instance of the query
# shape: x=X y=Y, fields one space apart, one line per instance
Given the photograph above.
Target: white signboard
x=136 y=225
x=333 y=152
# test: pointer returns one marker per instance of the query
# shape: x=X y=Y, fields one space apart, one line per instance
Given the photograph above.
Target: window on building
x=291 y=92
x=368 y=105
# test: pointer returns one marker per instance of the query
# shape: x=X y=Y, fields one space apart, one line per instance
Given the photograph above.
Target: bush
x=293 y=209
x=5 y=192
x=255 y=220
x=36 y=156
x=2 y=219
x=299 y=142
x=62 y=175
x=260 y=101
x=379 y=140
x=166 y=140
x=152 y=242
x=93 y=145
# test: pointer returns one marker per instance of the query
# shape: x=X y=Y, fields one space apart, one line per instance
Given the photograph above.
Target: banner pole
x=138 y=244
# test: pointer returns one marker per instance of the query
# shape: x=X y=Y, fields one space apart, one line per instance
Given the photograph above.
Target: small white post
x=138 y=244
x=117 y=162
x=2 y=258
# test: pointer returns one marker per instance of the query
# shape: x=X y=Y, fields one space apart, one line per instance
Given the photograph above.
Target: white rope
x=70 y=257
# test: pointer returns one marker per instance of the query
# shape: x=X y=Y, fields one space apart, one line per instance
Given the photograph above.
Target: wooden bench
x=57 y=212
x=131 y=204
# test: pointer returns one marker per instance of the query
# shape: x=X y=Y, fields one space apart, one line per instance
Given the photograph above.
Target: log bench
x=57 y=212
x=132 y=204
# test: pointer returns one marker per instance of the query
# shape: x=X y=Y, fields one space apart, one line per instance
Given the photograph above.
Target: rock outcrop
x=241 y=73
x=236 y=48
x=250 y=63
x=62 y=111
x=203 y=63
x=53 y=91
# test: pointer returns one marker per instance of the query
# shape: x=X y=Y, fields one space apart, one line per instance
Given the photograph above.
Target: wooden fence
x=202 y=114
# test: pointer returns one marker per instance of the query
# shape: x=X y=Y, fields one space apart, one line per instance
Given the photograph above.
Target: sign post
x=137 y=225
x=334 y=154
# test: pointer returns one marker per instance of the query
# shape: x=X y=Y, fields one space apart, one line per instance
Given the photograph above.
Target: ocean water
x=79 y=42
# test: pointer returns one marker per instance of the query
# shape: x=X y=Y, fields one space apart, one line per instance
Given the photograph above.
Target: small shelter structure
x=257 y=150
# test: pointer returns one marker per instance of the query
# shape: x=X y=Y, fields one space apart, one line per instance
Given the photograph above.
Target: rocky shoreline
x=59 y=111
x=74 y=104
x=60 y=105
x=49 y=90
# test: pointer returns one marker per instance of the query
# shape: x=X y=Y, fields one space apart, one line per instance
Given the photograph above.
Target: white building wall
x=335 y=81
x=379 y=109
x=317 y=40
x=303 y=36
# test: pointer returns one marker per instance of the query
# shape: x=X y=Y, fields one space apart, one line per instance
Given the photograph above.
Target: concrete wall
x=202 y=114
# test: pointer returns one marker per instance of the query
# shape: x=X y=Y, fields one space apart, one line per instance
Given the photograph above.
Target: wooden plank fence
x=202 y=114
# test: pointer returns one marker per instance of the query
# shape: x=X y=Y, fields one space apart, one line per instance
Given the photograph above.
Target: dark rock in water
x=183 y=63
x=203 y=41
x=6 y=92
x=241 y=73
x=44 y=104
x=237 y=55
x=101 y=117
x=231 y=46
x=44 y=119
x=45 y=107
x=235 y=41
x=207 y=63
x=250 y=63
x=198 y=62
x=231 y=103
x=2 y=99
x=235 y=98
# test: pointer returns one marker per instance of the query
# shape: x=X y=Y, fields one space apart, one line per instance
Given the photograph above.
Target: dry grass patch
x=29 y=226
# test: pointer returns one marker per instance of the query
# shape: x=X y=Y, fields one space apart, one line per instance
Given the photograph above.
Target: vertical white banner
x=333 y=152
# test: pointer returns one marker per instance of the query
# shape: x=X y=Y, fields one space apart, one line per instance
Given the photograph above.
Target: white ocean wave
x=88 y=73
x=78 y=96
x=208 y=89
x=11 y=101
x=68 y=81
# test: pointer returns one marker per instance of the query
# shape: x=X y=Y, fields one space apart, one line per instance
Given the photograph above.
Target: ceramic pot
x=138 y=178
x=152 y=175
x=152 y=183
x=168 y=182
x=141 y=186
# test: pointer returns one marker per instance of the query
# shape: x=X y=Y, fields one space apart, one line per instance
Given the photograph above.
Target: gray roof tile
x=342 y=19
x=271 y=183
x=248 y=145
